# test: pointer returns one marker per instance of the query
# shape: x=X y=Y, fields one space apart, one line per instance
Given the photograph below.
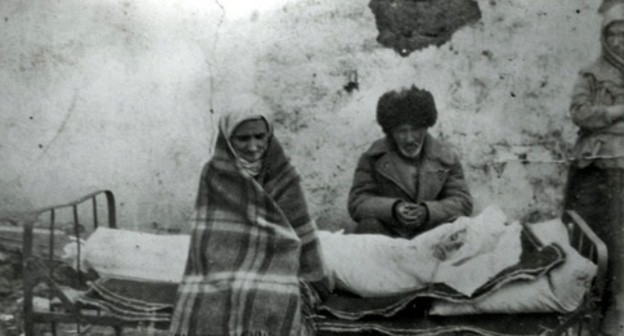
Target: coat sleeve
x=454 y=199
x=583 y=108
x=365 y=200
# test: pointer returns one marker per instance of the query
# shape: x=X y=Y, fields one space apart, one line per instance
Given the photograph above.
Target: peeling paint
x=408 y=25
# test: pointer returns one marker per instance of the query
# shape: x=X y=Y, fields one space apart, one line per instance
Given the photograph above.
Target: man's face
x=615 y=37
x=409 y=139
x=250 y=139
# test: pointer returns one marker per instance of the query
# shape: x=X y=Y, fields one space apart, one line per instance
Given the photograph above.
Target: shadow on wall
x=335 y=219
x=409 y=25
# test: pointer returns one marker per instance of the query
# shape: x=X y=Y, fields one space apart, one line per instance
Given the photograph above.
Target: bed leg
x=580 y=328
x=118 y=330
x=29 y=327
x=594 y=325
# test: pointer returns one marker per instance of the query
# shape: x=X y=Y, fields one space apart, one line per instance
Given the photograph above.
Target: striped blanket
x=252 y=241
x=131 y=300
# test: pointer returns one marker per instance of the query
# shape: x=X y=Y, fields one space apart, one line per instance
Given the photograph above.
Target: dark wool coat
x=441 y=186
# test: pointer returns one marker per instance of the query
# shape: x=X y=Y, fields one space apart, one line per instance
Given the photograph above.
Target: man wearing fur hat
x=407 y=182
x=596 y=180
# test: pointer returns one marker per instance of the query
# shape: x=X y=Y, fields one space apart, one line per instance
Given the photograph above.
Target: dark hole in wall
x=606 y=4
x=409 y=25
x=352 y=83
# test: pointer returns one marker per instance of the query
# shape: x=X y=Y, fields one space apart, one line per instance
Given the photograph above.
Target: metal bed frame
x=37 y=269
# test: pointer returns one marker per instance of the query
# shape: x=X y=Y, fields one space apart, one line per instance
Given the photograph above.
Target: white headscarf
x=612 y=14
x=236 y=110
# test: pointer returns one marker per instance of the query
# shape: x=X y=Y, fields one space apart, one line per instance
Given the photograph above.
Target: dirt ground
x=10 y=295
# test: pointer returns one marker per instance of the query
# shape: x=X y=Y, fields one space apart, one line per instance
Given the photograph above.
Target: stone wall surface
x=118 y=95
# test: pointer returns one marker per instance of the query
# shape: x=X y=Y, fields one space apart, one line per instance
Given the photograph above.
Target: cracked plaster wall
x=117 y=94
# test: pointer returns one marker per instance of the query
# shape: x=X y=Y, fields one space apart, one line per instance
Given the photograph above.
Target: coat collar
x=436 y=158
x=434 y=152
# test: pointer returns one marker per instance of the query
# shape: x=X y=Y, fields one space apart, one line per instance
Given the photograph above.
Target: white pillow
x=561 y=290
x=137 y=255
x=572 y=280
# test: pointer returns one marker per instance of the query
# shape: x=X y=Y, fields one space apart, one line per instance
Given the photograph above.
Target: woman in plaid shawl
x=253 y=239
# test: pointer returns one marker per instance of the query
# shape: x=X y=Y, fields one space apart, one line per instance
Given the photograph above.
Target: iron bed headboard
x=35 y=267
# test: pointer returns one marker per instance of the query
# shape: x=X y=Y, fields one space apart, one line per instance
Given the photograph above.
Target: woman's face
x=250 y=139
x=409 y=139
x=615 y=37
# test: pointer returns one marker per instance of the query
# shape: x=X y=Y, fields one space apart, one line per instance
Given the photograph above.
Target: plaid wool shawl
x=252 y=242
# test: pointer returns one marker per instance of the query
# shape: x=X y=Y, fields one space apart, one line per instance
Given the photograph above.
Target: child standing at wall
x=596 y=181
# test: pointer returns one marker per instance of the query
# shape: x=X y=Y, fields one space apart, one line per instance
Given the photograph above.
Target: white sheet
x=372 y=265
x=463 y=255
x=137 y=255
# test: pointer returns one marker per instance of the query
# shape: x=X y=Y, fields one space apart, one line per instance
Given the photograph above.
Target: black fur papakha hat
x=412 y=106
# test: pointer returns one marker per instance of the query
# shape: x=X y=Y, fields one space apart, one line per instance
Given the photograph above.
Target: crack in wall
x=61 y=129
x=211 y=63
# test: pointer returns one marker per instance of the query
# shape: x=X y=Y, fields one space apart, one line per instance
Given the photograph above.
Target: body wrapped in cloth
x=463 y=255
x=472 y=266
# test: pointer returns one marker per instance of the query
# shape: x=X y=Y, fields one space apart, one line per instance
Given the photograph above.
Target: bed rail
x=589 y=245
x=38 y=269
